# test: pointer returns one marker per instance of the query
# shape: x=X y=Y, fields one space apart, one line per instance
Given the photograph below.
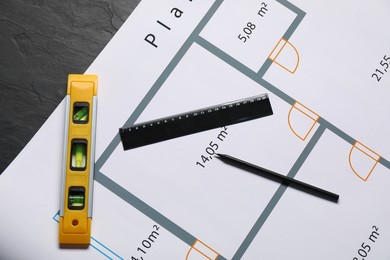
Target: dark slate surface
x=41 y=42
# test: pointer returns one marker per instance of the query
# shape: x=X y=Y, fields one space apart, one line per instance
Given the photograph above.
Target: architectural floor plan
x=324 y=68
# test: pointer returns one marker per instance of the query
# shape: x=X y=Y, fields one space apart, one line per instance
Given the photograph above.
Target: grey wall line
x=144 y=208
x=159 y=82
x=278 y=195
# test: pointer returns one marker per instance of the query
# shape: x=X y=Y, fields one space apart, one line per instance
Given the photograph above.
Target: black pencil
x=260 y=171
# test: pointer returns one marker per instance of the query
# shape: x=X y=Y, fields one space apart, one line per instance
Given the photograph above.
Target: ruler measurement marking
x=199 y=120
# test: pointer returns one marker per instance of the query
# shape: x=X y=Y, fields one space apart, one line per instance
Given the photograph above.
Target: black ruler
x=195 y=121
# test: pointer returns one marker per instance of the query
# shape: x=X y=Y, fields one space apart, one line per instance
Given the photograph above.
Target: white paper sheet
x=329 y=128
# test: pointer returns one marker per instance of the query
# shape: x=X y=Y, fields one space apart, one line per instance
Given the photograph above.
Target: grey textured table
x=41 y=43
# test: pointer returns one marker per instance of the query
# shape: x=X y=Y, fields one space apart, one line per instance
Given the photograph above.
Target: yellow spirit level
x=78 y=161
